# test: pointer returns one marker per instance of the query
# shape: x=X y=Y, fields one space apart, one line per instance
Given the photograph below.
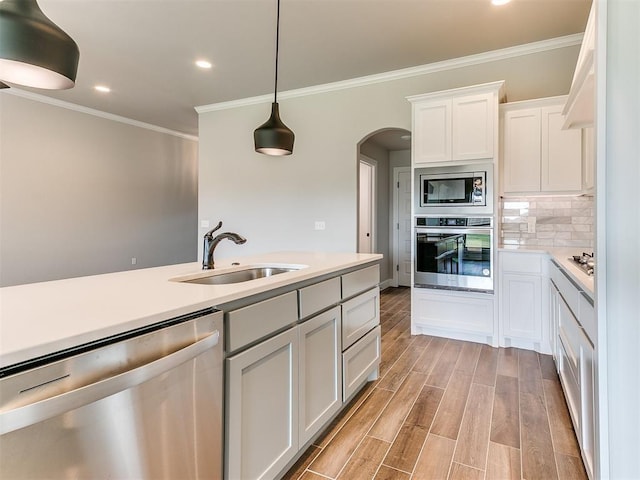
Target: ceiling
x=145 y=50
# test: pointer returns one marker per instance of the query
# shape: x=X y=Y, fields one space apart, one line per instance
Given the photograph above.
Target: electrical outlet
x=134 y=260
x=204 y=223
x=319 y=225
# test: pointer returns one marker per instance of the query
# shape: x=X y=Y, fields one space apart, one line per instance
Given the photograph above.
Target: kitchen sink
x=239 y=276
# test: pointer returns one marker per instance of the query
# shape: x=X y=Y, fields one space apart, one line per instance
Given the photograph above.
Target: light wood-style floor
x=448 y=409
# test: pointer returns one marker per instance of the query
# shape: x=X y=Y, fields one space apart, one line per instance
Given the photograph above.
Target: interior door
x=366 y=207
x=402 y=243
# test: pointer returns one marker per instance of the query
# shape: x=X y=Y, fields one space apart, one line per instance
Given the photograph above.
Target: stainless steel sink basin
x=240 y=275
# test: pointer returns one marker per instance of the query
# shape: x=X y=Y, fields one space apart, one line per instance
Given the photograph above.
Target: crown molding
x=96 y=113
x=491 y=56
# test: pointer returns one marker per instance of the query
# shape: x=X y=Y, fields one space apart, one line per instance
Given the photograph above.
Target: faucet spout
x=211 y=242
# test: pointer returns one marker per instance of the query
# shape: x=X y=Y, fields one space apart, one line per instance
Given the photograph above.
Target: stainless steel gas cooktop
x=586 y=262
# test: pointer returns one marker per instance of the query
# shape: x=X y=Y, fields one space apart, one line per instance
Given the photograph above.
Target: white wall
x=82 y=195
x=618 y=232
x=275 y=201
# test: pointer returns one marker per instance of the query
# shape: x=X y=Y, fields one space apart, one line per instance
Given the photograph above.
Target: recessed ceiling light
x=203 y=64
x=500 y=2
x=102 y=88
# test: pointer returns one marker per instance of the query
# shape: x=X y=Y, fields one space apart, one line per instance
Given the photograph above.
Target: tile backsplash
x=547 y=221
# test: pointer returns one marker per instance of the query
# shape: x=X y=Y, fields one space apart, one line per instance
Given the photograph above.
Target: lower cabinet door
x=320 y=372
x=262 y=408
x=360 y=361
x=588 y=404
x=571 y=388
x=521 y=306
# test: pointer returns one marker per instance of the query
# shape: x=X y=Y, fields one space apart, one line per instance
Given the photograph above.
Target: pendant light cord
x=275 y=88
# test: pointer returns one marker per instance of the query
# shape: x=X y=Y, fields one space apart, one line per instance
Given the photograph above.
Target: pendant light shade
x=273 y=137
x=35 y=52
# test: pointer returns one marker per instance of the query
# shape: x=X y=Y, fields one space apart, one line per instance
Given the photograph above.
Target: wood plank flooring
x=448 y=409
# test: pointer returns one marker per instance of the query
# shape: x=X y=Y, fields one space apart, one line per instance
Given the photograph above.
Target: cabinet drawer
x=360 y=361
x=359 y=315
x=571 y=389
x=319 y=296
x=570 y=335
x=360 y=280
x=521 y=262
x=587 y=317
x=248 y=324
x=567 y=289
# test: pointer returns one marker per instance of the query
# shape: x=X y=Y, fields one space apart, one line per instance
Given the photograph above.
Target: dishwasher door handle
x=50 y=407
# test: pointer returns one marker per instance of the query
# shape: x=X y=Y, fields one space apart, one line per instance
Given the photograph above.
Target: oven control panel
x=453 y=222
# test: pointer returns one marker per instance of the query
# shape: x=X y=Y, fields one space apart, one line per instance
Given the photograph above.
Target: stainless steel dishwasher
x=145 y=404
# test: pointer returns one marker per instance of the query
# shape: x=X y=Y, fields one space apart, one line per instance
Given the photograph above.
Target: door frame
x=373 y=200
x=395 y=225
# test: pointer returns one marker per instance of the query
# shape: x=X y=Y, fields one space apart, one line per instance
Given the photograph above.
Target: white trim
x=373 y=207
x=96 y=113
x=492 y=56
x=386 y=284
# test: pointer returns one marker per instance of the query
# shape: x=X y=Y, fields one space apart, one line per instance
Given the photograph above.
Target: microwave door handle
x=39 y=411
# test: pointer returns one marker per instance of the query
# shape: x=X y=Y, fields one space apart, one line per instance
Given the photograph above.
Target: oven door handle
x=454 y=231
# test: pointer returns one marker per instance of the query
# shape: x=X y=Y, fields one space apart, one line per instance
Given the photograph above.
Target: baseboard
x=386 y=284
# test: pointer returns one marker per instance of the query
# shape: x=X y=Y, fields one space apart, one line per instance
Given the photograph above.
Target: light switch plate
x=319 y=225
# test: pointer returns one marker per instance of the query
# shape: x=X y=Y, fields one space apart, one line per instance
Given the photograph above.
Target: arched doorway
x=384 y=190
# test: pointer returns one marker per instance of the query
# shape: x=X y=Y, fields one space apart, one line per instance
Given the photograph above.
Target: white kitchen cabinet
x=359 y=315
x=579 y=108
x=320 y=372
x=360 y=362
x=474 y=126
x=523 y=308
x=432 y=131
x=554 y=313
x=539 y=157
x=455 y=125
x=522 y=150
x=259 y=320
x=455 y=314
x=361 y=334
x=561 y=154
x=282 y=391
x=262 y=408
x=576 y=360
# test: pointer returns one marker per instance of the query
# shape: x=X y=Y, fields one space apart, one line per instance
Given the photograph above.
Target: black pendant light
x=273 y=137
x=35 y=52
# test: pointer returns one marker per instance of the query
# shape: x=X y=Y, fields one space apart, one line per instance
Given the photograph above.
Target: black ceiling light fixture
x=34 y=51
x=273 y=137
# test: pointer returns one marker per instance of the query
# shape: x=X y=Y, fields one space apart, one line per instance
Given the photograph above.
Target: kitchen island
x=41 y=318
x=300 y=341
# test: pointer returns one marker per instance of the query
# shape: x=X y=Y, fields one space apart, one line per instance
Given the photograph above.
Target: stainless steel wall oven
x=454 y=253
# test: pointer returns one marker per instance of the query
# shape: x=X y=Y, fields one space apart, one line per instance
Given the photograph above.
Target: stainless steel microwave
x=455 y=189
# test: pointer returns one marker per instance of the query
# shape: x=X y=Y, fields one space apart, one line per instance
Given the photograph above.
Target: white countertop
x=562 y=256
x=41 y=318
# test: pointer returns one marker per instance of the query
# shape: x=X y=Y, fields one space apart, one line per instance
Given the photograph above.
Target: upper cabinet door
x=522 y=150
x=561 y=159
x=432 y=127
x=473 y=126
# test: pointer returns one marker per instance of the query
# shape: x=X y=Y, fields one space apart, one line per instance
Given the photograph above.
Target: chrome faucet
x=211 y=242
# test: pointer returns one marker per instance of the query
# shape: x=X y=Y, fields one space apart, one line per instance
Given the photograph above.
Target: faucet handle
x=210 y=232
